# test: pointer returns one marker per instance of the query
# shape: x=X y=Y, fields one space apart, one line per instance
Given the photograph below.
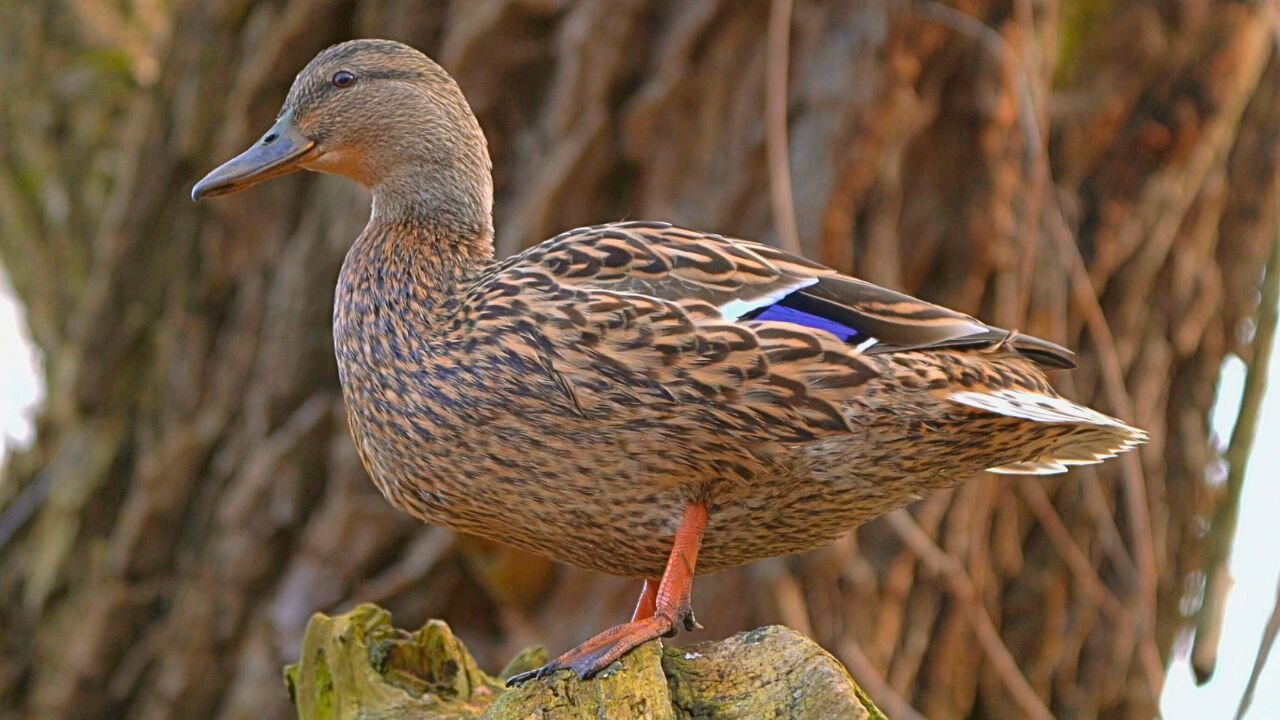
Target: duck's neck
x=430 y=230
x=413 y=267
x=448 y=195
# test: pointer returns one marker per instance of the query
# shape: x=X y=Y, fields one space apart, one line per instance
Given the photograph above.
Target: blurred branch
x=1086 y=300
x=24 y=506
x=996 y=46
x=874 y=683
x=1222 y=531
x=788 y=596
x=1033 y=157
x=777 y=66
x=1259 y=662
x=424 y=552
x=966 y=595
x=1066 y=546
x=1036 y=165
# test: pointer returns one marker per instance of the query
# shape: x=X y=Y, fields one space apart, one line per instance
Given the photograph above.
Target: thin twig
x=1260 y=661
x=1085 y=297
x=879 y=689
x=24 y=506
x=777 y=66
x=423 y=553
x=998 y=47
x=788 y=597
x=1070 y=551
x=1036 y=165
x=966 y=595
x=1222 y=531
x=1104 y=520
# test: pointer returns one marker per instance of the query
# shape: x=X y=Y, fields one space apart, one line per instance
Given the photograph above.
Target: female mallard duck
x=632 y=397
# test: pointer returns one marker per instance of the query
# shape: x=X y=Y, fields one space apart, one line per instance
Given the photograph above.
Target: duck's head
x=383 y=114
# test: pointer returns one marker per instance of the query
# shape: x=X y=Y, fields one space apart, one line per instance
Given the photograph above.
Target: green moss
x=378 y=653
x=325 y=706
x=358 y=667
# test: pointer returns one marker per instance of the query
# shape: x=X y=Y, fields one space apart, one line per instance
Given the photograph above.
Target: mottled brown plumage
x=576 y=399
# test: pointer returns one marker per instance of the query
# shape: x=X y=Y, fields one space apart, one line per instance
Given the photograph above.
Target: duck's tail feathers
x=1098 y=437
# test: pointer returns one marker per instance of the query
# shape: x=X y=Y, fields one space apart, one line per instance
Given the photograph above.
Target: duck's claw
x=604 y=649
x=537 y=674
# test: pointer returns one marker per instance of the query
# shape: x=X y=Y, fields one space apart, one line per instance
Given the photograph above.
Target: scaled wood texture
x=1103 y=174
x=356 y=666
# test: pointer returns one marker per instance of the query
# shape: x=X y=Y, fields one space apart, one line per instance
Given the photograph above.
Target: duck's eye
x=342 y=79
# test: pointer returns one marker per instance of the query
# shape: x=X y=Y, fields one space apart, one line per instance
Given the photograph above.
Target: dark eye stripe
x=393 y=75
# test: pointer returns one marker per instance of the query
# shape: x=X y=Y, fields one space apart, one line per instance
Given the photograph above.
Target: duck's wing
x=743 y=344
x=630 y=325
x=749 y=282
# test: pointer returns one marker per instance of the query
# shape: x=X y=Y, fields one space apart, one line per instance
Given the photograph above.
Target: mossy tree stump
x=358 y=667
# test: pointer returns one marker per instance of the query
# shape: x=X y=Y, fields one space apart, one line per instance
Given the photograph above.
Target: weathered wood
x=356 y=666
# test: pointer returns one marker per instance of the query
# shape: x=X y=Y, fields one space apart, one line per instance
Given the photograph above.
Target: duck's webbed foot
x=664 y=609
x=604 y=649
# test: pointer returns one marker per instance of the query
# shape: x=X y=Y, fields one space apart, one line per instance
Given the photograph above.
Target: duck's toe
x=537 y=674
x=604 y=649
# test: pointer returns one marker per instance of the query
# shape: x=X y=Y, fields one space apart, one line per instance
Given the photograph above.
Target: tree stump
x=357 y=666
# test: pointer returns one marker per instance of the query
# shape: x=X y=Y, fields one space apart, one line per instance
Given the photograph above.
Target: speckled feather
x=574 y=400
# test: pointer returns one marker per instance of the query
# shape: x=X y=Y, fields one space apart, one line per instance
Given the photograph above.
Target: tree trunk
x=193 y=493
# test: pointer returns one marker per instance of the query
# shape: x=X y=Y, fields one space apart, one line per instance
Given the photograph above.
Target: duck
x=634 y=398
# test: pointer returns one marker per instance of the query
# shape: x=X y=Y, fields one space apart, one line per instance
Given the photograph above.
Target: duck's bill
x=284 y=149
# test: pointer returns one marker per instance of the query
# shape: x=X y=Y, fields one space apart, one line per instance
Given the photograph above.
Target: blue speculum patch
x=786 y=310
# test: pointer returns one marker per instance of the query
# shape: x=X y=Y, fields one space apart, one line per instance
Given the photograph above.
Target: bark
x=1102 y=174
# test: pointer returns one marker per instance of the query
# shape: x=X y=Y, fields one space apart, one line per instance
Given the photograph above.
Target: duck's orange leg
x=663 y=609
x=648 y=603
